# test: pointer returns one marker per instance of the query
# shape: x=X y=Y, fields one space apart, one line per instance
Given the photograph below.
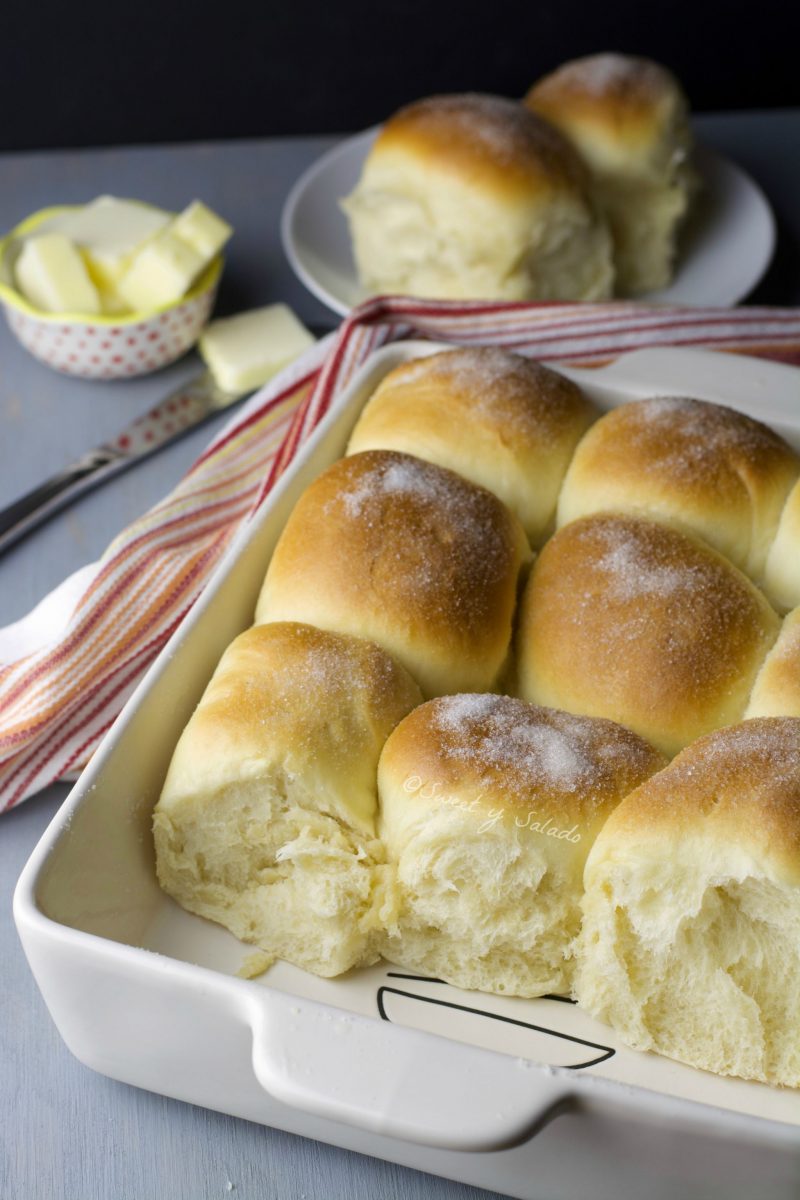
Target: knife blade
x=175 y=415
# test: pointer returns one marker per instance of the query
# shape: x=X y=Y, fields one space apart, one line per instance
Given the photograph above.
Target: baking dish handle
x=399 y=1082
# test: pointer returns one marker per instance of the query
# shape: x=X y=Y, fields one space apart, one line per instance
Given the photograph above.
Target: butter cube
x=245 y=351
x=51 y=274
x=111 y=303
x=204 y=231
x=162 y=271
x=108 y=231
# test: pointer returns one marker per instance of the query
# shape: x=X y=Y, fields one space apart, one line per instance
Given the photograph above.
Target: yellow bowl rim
x=10 y=295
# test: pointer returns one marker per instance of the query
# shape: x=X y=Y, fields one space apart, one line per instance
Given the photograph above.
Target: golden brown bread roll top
x=266 y=822
x=474 y=196
x=628 y=119
x=632 y=620
x=691 y=937
x=489 y=139
x=500 y=420
x=776 y=692
x=497 y=758
x=621 y=111
x=703 y=467
x=313 y=705
x=782 y=575
x=406 y=554
x=736 y=786
x=489 y=807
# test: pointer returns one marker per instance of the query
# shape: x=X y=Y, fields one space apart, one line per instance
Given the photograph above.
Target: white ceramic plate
x=725 y=249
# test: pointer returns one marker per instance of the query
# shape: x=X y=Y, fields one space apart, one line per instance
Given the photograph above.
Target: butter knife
x=178 y=413
x=184 y=409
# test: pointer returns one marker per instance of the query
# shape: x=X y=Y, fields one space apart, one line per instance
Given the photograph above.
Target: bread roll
x=266 y=822
x=702 y=467
x=496 y=418
x=406 y=554
x=488 y=809
x=474 y=196
x=629 y=120
x=691 y=937
x=777 y=688
x=782 y=575
x=628 y=619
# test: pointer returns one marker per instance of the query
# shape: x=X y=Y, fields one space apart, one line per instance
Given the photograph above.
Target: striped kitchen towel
x=67 y=669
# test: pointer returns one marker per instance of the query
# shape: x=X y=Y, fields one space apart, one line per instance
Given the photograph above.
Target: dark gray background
x=95 y=73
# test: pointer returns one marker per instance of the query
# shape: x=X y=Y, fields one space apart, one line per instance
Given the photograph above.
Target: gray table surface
x=66 y=1132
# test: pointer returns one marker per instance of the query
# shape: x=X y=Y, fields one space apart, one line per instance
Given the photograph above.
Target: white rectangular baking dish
x=459 y=1084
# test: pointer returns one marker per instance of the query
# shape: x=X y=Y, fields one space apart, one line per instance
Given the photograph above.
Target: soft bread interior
x=259 y=857
x=266 y=822
x=704 y=970
x=690 y=943
x=420 y=232
x=474 y=196
x=488 y=809
x=481 y=905
x=645 y=220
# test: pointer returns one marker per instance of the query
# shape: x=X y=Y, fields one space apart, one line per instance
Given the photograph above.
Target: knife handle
x=36 y=506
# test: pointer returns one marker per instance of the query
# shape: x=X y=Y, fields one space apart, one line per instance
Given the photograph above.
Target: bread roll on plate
x=776 y=692
x=409 y=555
x=691 y=936
x=703 y=467
x=629 y=120
x=488 y=809
x=782 y=576
x=496 y=418
x=632 y=620
x=474 y=196
x=266 y=822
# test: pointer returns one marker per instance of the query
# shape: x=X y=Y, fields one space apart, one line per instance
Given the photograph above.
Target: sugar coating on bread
x=488 y=809
x=266 y=821
x=691 y=936
x=776 y=692
x=782 y=574
x=629 y=120
x=474 y=196
x=500 y=420
x=490 y=135
x=630 y=110
x=704 y=467
x=409 y=555
x=629 y=619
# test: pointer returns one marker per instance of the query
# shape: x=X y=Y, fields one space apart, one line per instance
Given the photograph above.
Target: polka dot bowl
x=103 y=347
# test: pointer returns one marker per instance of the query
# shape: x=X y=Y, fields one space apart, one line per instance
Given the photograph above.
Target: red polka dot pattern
x=116 y=352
